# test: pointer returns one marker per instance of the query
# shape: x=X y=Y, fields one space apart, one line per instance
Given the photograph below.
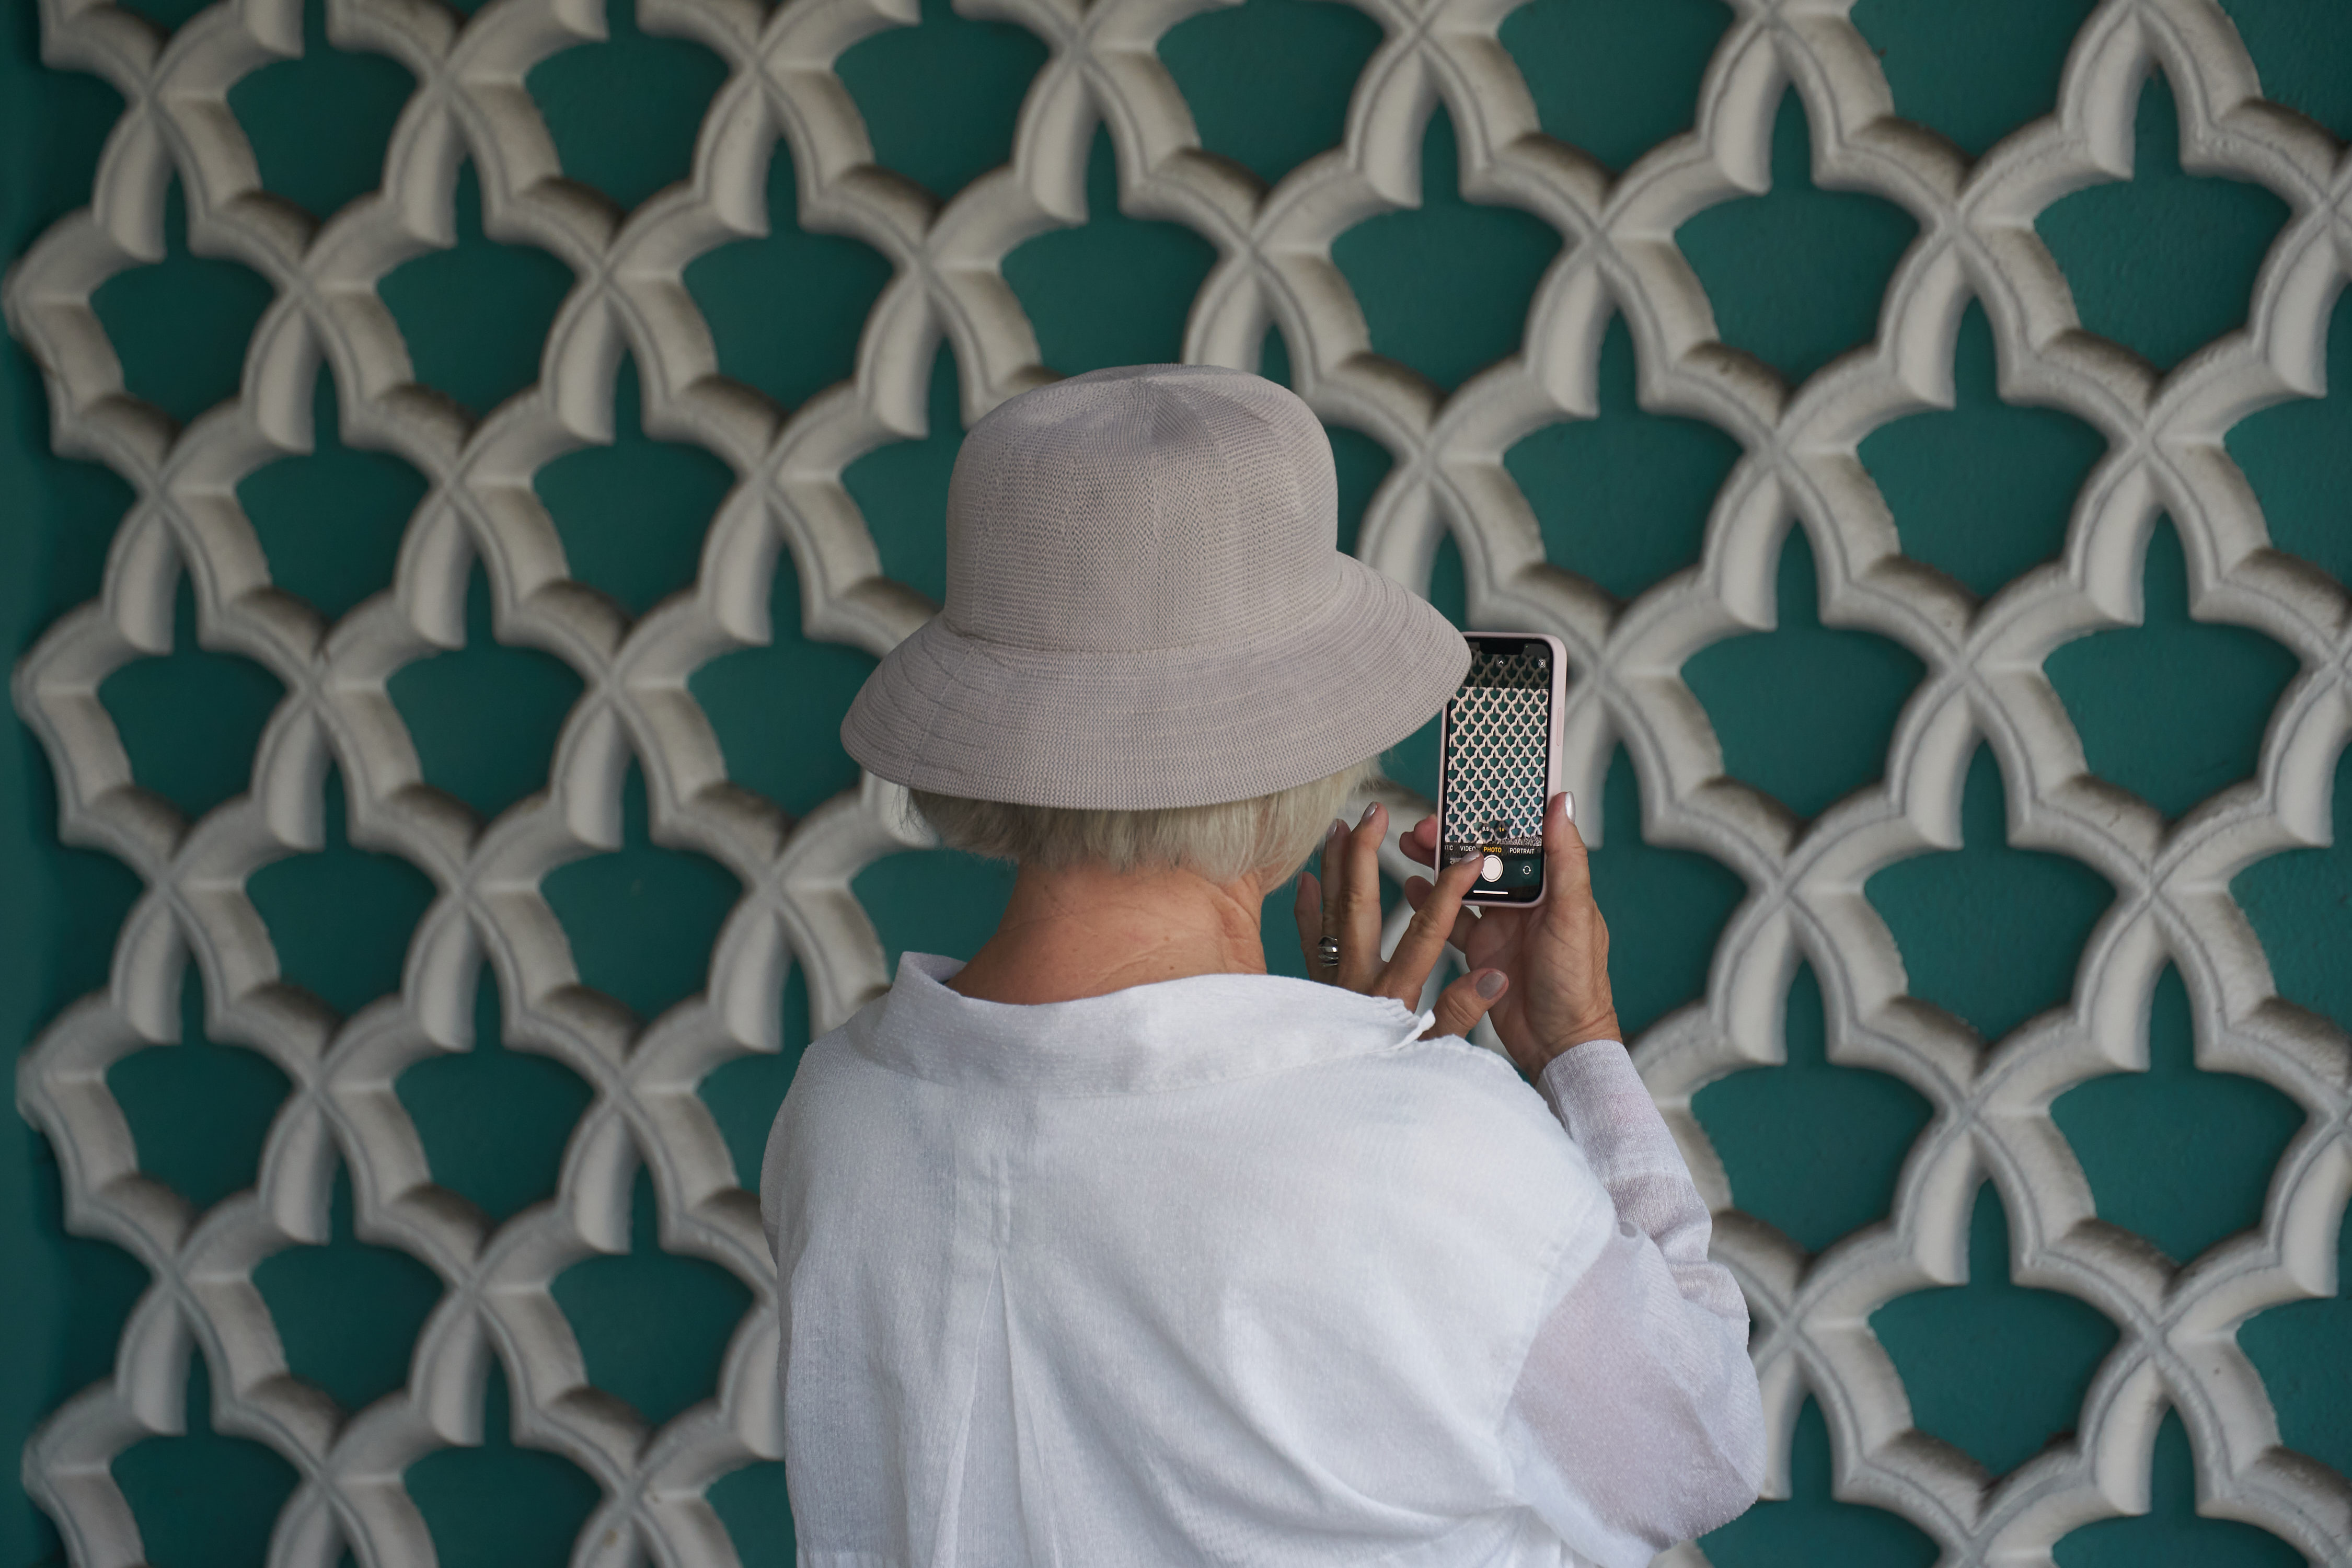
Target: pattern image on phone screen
x=1497 y=756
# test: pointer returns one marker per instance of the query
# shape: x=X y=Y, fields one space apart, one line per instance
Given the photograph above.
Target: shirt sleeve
x=1636 y=1420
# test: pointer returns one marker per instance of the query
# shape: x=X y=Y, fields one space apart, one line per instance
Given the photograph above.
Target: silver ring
x=1326 y=953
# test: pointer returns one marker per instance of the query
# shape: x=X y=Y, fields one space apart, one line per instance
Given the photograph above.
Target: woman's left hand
x=1345 y=904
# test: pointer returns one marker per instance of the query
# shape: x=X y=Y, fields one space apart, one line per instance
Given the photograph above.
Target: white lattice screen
x=1984 y=681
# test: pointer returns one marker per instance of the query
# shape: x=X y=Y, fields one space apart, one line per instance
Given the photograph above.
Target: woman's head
x=1271 y=835
x=1152 y=650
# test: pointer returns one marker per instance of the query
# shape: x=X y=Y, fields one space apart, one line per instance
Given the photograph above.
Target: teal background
x=2160 y=263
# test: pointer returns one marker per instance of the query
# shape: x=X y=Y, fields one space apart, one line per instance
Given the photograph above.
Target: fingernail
x=1490 y=985
x=1367 y=813
x=1337 y=827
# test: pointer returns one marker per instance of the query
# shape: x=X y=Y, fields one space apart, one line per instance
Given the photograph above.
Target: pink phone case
x=1477 y=894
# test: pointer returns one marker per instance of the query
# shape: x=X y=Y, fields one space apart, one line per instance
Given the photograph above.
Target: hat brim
x=1164 y=727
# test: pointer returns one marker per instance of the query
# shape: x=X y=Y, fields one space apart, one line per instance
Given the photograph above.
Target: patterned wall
x=527 y=426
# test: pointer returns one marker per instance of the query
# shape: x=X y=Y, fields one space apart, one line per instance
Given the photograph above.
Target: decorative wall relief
x=761 y=512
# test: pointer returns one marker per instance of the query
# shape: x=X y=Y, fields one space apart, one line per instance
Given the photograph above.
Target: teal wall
x=2172 y=709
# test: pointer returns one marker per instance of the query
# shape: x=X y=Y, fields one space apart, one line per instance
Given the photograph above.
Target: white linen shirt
x=1238 y=1269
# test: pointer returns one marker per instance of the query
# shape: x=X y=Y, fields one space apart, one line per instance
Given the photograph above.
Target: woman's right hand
x=1557 y=954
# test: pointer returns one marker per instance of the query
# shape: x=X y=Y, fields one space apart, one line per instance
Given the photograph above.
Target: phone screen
x=1497 y=765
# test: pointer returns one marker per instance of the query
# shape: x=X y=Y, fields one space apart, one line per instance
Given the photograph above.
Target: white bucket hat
x=1147 y=607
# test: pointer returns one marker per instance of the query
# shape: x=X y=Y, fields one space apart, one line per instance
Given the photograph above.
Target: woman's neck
x=1087 y=930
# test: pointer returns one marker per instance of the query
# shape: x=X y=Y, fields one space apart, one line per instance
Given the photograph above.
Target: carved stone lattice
x=1983 y=660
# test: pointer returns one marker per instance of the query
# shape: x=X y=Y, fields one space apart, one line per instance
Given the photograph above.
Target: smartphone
x=1497 y=761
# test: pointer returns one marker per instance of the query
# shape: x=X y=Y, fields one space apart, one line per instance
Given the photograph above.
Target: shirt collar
x=1172 y=1034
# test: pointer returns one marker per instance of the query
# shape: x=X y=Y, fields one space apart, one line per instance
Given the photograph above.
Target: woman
x=1108 y=1248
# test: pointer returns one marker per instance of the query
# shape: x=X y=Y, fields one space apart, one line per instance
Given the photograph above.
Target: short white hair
x=1223 y=842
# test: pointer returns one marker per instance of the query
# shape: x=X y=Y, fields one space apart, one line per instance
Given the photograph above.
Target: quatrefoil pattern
x=1498 y=728
x=1798 y=466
